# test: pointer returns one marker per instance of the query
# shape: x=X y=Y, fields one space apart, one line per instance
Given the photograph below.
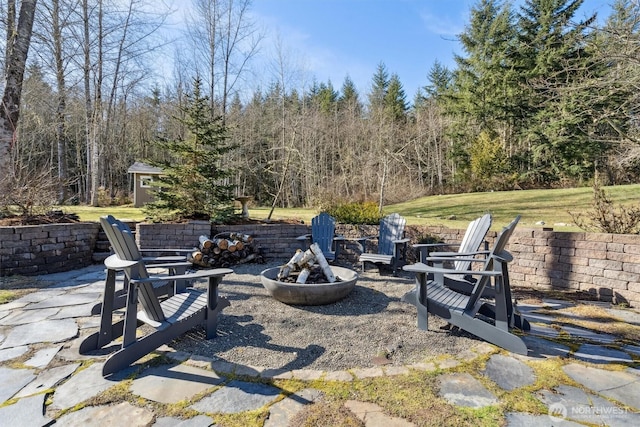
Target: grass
x=454 y=210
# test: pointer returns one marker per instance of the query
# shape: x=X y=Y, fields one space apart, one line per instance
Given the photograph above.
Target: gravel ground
x=370 y=323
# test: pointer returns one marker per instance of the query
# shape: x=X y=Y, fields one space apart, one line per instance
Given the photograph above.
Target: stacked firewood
x=310 y=266
x=225 y=250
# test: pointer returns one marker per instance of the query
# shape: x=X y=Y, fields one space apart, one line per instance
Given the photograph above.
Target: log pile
x=224 y=250
x=307 y=267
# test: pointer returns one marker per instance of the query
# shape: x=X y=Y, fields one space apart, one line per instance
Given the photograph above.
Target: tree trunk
x=61 y=133
x=17 y=53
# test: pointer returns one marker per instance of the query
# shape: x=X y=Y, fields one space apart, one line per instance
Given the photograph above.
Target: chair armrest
x=362 y=242
x=460 y=254
x=423 y=268
x=446 y=258
x=175 y=250
x=401 y=241
x=170 y=265
x=339 y=238
x=431 y=245
x=304 y=237
x=200 y=274
x=153 y=260
x=113 y=262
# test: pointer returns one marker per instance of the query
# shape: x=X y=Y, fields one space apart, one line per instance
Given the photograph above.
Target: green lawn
x=550 y=206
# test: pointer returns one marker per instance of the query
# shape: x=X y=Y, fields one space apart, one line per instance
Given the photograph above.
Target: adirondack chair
x=392 y=246
x=473 y=238
x=323 y=228
x=170 y=318
x=489 y=320
x=175 y=264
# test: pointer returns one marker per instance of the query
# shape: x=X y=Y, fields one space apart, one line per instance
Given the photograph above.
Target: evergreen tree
x=395 y=100
x=440 y=79
x=483 y=89
x=194 y=184
x=379 y=88
x=550 y=56
x=349 y=99
x=484 y=82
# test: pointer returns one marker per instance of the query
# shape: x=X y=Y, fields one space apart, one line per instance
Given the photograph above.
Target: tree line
x=539 y=97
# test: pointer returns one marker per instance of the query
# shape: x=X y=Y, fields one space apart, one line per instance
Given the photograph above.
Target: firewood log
x=322 y=261
x=221 y=243
x=196 y=256
x=244 y=238
x=286 y=269
x=205 y=242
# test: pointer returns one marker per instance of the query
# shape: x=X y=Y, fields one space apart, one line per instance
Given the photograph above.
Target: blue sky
x=336 y=38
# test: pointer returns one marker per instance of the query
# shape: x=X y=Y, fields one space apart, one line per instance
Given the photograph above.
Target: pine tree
x=550 y=56
x=194 y=184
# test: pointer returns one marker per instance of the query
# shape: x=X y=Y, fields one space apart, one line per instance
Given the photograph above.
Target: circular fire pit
x=309 y=293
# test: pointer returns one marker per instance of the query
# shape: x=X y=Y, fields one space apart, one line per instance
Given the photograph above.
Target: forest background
x=538 y=99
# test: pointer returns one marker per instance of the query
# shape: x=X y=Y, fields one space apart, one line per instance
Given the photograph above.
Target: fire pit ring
x=309 y=293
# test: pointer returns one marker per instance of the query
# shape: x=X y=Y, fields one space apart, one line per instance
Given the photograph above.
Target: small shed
x=143 y=176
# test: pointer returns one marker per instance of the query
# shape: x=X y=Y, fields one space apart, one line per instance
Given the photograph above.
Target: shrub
x=356 y=213
x=606 y=217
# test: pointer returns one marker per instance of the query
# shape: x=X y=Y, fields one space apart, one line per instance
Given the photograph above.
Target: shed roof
x=139 y=167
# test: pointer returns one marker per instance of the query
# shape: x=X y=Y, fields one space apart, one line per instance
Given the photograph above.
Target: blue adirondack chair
x=323 y=229
x=392 y=246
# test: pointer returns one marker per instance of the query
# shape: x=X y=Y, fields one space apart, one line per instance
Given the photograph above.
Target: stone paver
x=544 y=331
x=27 y=412
x=280 y=413
x=463 y=390
x=13 y=380
x=98 y=416
x=519 y=419
x=540 y=347
x=588 y=334
x=42 y=357
x=237 y=396
x=621 y=386
x=22 y=317
x=13 y=352
x=599 y=354
x=197 y=421
x=83 y=385
x=173 y=383
x=372 y=415
x=46 y=331
x=48 y=379
x=575 y=404
x=509 y=373
x=65 y=300
x=362 y=373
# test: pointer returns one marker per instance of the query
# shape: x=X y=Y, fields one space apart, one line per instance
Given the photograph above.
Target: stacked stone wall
x=605 y=265
x=43 y=249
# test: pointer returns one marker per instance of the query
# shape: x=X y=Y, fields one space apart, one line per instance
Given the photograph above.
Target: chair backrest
x=473 y=238
x=124 y=245
x=391 y=229
x=323 y=227
x=498 y=254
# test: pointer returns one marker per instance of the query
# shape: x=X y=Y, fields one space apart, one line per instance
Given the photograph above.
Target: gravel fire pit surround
x=309 y=293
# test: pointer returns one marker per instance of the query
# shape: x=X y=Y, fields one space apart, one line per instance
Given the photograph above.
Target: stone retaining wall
x=606 y=265
x=42 y=249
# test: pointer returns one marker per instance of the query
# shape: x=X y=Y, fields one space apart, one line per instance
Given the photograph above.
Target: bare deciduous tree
x=17 y=49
